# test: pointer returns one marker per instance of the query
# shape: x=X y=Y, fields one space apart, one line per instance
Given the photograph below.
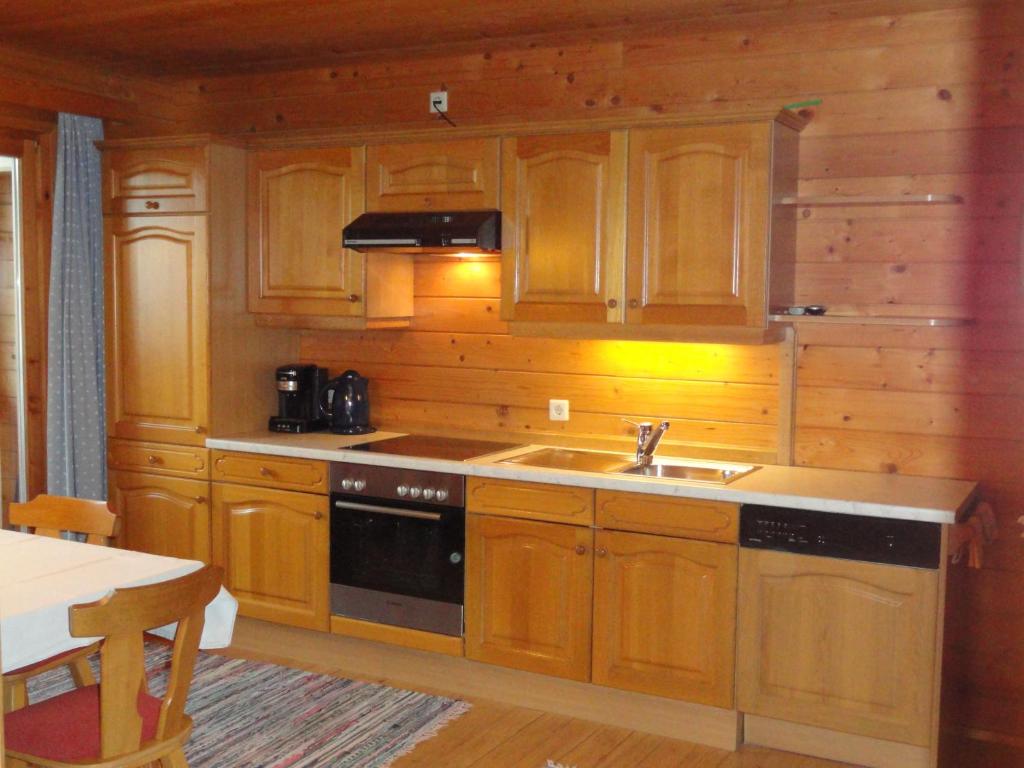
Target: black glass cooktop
x=429 y=447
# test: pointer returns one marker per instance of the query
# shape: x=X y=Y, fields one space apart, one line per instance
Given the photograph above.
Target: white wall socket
x=558 y=410
x=438 y=102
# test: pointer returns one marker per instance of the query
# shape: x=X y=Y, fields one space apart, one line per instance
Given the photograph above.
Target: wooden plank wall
x=8 y=349
x=930 y=101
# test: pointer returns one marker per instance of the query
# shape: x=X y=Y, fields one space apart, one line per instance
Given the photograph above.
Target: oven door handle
x=435 y=516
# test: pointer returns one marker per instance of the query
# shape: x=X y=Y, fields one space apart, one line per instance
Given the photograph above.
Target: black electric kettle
x=346 y=402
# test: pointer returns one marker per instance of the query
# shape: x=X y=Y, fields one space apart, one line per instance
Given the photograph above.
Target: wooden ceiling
x=189 y=37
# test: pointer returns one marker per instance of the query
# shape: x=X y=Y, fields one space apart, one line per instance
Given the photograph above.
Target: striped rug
x=253 y=715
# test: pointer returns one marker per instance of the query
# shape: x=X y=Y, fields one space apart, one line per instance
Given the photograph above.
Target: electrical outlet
x=438 y=102
x=558 y=410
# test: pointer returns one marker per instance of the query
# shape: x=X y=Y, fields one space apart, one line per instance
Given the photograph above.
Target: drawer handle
x=200 y=499
x=152 y=205
x=200 y=430
x=266 y=472
x=318 y=515
x=612 y=303
x=601 y=552
x=151 y=459
x=353 y=297
x=634 y=303
x=581 y=549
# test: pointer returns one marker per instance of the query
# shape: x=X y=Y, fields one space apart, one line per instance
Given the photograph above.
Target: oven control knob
x=346 y=484
x=359 y=485
x=402 y=490
x=415 y=492
x=441 y=494
x=455 y=558
x=428 y=494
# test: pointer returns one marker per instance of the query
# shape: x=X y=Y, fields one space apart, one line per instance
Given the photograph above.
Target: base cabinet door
x=664 y=616
x=528 y=595
x=273 y=546
x=162 y=515
x=838 y=644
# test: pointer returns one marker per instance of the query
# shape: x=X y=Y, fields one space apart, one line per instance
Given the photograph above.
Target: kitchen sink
x=710 y=472
x=577 y=461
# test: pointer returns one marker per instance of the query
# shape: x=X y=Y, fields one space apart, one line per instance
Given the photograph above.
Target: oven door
x=398 y=563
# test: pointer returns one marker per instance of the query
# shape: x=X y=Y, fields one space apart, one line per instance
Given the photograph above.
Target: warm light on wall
x=673 y=359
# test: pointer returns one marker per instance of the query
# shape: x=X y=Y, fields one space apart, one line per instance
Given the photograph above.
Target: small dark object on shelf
x=814 y=309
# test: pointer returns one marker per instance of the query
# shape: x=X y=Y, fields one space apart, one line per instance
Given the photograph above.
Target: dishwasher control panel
x=848 y=537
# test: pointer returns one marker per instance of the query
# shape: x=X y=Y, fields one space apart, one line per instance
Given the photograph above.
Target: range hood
x=434 y=232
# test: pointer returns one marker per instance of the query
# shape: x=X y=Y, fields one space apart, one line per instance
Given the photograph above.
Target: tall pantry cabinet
x=184 y=358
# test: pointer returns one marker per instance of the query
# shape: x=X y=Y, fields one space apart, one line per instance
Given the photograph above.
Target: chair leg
x=81 y=672
x=175 y=759
x=15 y=695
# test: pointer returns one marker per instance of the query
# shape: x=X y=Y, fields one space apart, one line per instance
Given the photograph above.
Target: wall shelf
x=928 y=322
x=842 y=200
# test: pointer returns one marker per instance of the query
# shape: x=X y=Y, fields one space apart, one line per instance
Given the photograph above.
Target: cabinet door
x=432 y=176
x=162 y=515
x=164 y=180
x=528 y=595
x=698 y=225
x=563 y=227
x=299 y=202
x=157 y=328
x=664 y=616
x=838 y=644
x=273 y=546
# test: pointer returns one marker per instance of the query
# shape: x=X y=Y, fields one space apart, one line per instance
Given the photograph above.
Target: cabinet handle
x=266 y=472
x=200 y=430
x=581 y=549
x=634 y=303
x=152 y=205
x=152 y=459
x=612 y=303
x=318 y=515
x=200 y=499
x=353 y=297
x=601 y=552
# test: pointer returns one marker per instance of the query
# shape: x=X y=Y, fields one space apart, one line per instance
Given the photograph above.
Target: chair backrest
x=50 y=515
x=120 y=619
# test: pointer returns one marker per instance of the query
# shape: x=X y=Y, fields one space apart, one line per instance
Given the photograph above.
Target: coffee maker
x=298 y=399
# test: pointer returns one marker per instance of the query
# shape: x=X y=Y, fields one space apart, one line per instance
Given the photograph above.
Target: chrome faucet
x=647 y=438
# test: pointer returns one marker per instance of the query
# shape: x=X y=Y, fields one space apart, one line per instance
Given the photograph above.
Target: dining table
x=41 y=577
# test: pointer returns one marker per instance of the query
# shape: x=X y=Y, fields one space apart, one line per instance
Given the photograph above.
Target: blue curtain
x=75 y=413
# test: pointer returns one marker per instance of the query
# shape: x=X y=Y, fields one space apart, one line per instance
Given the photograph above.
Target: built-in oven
x=397 y=544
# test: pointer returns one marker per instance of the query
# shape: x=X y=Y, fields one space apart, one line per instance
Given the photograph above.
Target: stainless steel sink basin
x=711 y=473
x=716 y=475
x=578 y=461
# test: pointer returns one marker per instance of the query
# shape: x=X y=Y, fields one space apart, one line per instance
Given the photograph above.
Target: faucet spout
x=647 y=447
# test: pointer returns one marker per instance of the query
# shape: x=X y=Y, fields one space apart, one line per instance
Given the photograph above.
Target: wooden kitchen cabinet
x=531 y=501
x=563 y=227
x=433 y=176
x=699 y=202
x=528 y=595
x=665 y=616
x=298 y=203
x=155 y=179
x=273 y=546
x=157 y=290
x=838 y=644
x=162 y=515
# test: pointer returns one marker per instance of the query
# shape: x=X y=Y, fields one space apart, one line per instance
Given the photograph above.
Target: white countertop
x=827 y=490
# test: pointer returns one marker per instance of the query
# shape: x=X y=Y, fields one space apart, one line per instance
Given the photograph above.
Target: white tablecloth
x=41 y=577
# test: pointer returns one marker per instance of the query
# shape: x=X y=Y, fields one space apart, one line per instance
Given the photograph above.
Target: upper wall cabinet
x=563 y=218
x=164 y=180
x=432 y=176
x=299 y=201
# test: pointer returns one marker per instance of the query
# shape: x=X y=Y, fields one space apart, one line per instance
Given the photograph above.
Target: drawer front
x=270 y=471
x=532 y=501
x=159 y=458
x=166 y=180
x=668 y=516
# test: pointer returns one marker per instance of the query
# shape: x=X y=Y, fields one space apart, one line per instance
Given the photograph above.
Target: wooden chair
x=118 y=724
x=49 y=516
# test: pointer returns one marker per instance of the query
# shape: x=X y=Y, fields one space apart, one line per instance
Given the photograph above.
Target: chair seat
x=53 y=661
x=66 y=728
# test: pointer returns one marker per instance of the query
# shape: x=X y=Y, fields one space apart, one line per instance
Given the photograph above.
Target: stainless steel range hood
x=436 y=232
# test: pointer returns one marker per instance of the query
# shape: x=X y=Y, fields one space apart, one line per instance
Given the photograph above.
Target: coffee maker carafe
x=298 y=399
x=346 y=402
